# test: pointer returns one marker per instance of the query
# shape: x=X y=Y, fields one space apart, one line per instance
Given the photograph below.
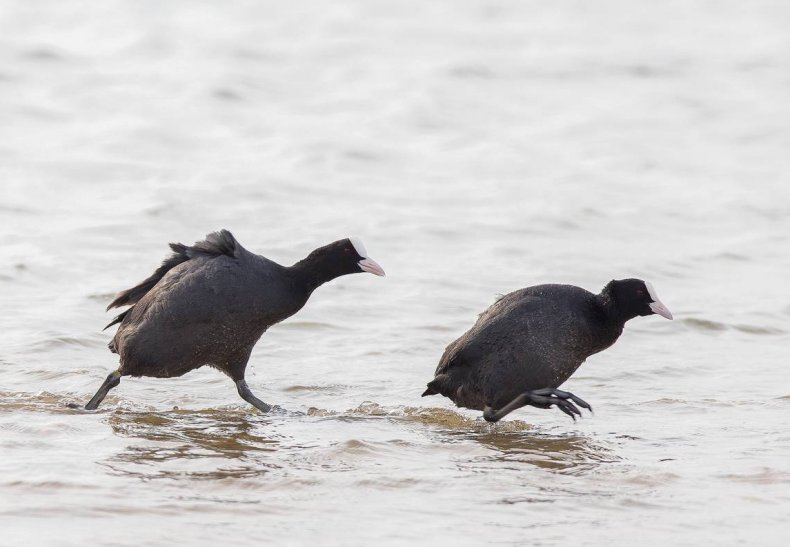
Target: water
x=476 y=147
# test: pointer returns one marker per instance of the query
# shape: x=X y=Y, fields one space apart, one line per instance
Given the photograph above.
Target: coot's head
x=357 y=258
x=342 y=257
x=634 y=297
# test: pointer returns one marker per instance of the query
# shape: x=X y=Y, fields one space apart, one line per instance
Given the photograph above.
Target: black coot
x=530 y=341
x=208 y=304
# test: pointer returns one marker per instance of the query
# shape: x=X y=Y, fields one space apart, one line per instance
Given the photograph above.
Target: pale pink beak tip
x=371 y=266
x=661 y=310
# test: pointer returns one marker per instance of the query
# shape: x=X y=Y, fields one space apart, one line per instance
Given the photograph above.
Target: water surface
x=476 y=147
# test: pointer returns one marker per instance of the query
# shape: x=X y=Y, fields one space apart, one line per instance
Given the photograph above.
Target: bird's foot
x=564 y=400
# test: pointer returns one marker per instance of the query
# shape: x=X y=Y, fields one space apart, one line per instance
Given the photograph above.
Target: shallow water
x=476 y=147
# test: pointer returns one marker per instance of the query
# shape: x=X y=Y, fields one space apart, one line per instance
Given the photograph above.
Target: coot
x=530 y=341
x=208 y=304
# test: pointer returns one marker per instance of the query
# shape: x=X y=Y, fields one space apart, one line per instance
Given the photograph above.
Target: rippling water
x=476 y=147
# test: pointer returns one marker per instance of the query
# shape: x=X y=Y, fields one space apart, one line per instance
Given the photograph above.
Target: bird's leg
x=540 y=398
x=110 y=382
x=246 y=394
x=493 y=415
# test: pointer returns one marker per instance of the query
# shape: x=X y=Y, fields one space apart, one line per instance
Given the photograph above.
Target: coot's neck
x=615 y=315
x=312 y=272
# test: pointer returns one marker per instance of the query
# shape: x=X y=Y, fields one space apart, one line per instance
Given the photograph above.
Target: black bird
x=208 y=304
x=530 y=341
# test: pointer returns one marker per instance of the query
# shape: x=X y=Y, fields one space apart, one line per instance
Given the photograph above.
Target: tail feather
x=133 y=295
x=433 y=387
x=118 y=318
x=215 y=244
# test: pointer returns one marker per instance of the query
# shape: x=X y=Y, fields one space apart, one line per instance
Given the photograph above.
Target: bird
x=209 y=303
x=530 y=341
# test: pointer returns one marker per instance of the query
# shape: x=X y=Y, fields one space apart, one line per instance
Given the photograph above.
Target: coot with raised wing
x=530 y=341
x=208 y=304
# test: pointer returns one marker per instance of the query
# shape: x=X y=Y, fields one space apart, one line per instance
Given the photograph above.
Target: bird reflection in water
x=211 y=443
x=567 y=453
x=516 y=441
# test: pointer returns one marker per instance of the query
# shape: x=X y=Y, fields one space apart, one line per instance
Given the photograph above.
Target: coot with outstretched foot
x=530 y=341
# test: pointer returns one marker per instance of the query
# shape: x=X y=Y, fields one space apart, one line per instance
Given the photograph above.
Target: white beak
x=660 y=309
x=656 y=304
x=371 y=266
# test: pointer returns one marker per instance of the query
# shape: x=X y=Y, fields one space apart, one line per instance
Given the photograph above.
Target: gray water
x=476 y=147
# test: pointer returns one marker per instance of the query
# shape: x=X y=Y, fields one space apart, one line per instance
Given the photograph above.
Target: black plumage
x=531 y=341
x=209 y=303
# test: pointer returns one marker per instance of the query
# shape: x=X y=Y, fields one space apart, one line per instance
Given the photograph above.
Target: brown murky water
x=476 y=147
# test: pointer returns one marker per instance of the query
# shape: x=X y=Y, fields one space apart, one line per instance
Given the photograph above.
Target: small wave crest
x=710 y=326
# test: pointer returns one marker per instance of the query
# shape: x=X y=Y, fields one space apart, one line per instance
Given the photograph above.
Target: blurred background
x=476 y=147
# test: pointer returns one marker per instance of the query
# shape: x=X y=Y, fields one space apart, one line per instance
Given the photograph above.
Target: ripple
x=704 y=324
x=766 y=476
x=754 y=329
x=45 y=55
x=44 y=401
x=330 y=388
x=441 y=418
x=160 y=473
x=220 y=432
x=707 y=325
x=309 y=326
x=736 y=257
x=388 y=484
x=101 y=297
x=226 y=94
x=653 y=479
x=567 y=453
x=213 y=444
x=94 y=340
x=525 y=499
